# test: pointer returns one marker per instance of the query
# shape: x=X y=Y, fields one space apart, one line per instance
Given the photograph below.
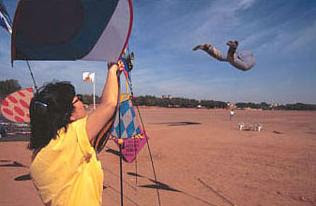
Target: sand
x=200 y=158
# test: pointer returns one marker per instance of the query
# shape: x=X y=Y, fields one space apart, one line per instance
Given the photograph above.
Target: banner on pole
x=88 y=77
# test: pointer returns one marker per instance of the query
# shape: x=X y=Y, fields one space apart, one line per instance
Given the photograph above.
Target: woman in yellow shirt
x=65 y=169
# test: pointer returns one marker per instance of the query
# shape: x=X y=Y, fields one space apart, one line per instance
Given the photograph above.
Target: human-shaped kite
x=241 y=60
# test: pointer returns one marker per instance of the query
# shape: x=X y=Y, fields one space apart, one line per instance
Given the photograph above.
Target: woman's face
x=79 y=109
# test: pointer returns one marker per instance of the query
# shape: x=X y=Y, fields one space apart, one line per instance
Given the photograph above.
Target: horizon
x=281 y=34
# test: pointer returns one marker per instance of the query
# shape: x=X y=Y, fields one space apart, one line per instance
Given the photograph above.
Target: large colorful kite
x=71 y=30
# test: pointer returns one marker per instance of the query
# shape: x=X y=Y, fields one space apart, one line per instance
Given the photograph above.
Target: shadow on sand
x=172 y=124
x=162 y=186
x=12 y=164
x=112 y=151
x=16 y=164
x=23 y=177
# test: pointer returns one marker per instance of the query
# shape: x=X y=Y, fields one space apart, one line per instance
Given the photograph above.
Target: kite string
x=27 y=62
x=120 y=145
x=128 y=79
x=29 y=67
x=143 y=126
x=151 y=158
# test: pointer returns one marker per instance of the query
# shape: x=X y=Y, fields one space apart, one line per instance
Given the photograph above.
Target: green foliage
x=211 y=104
x=88 y=99
x=8 y=86
x=297 y=106
x=243 y=105
x=265 y=106
x=177 y=102
x=165 y=102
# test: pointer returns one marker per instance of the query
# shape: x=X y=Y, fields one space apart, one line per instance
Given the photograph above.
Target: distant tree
x=211 y=104
x=297 y=106
x=252 y=105
x=88 y=99
x=149 y=100
x=139 y=100
x=265 y=106
x=8 y=86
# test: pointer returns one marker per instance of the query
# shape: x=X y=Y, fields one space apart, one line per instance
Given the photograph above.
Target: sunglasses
x=79 y=98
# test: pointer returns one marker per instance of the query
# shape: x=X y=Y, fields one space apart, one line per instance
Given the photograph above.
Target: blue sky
x=280 y=33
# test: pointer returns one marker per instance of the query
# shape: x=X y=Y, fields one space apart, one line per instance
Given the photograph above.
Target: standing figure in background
x=231 y=114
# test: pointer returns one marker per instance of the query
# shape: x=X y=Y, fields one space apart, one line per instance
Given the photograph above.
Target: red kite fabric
x=15 y=107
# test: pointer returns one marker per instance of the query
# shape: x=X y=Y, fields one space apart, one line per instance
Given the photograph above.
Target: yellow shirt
x=66 y=171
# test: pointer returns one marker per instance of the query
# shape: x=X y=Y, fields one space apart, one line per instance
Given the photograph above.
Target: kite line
x=6 y=23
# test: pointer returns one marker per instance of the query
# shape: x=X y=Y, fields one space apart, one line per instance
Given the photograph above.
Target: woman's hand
x=112 y=66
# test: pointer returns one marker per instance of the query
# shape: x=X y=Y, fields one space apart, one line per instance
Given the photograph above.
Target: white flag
x=88 y=76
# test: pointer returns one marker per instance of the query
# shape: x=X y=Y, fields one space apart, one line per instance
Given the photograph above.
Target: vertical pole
x=94 y=92
x=121 y=175
x=120 y=143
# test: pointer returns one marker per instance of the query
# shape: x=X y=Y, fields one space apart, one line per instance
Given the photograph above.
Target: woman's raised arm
x=105 y=111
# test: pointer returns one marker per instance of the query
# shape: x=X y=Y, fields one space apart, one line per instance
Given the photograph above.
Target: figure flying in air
x=241 y=60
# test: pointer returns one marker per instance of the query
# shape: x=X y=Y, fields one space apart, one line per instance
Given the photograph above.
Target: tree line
x=11 y=85
x=8 y=86
x=177 y=102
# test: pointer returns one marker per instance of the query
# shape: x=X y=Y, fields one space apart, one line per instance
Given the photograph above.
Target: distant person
x=3 y=133
x=231 y=114
x=242 y=61
x=64 y=168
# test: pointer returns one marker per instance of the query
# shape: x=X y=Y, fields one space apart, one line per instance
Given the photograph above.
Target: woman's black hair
x=50 y=110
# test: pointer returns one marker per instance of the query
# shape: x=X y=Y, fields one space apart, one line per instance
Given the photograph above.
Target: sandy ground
x=200 y=158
